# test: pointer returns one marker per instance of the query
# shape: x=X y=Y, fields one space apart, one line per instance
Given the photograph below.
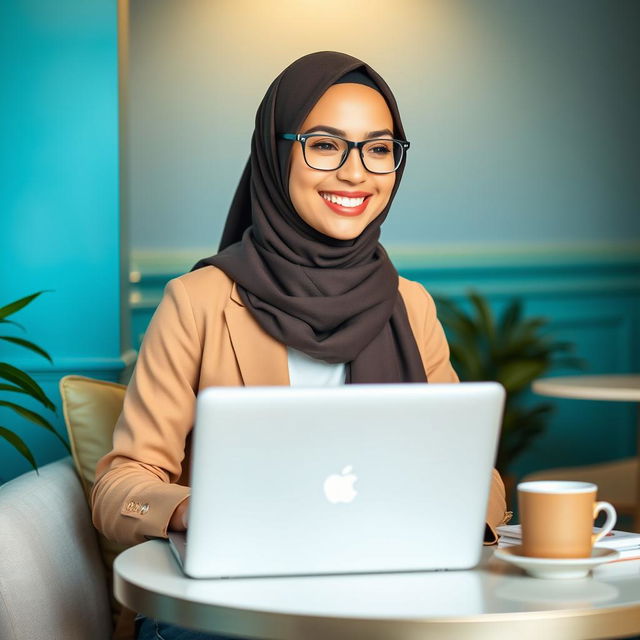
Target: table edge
x=545 y=387
x=254 y=623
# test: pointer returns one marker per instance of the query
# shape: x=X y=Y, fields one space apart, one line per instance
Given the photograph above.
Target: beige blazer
x=201 y=335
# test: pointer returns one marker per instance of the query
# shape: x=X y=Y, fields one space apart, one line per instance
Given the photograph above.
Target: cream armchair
x=53 y=584
x=55 y=569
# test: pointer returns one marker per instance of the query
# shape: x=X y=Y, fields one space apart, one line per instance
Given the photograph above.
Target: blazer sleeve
x=435 y=356
x=433 y=345
x=135 y=492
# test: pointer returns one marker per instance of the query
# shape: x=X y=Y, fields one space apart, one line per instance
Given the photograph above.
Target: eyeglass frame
x=302 y=139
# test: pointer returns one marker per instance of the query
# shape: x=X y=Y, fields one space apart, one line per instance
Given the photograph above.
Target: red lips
x=350 y=194
x=347 y=211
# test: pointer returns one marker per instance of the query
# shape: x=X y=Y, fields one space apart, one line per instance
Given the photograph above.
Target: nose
x=352 y=170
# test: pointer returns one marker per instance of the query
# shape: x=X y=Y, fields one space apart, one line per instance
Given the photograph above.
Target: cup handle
x=609 y=522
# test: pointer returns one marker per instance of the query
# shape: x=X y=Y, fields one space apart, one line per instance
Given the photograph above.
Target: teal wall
x=59 y=212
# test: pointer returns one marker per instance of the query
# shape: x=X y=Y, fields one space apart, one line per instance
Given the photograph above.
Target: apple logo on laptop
x=339 y=488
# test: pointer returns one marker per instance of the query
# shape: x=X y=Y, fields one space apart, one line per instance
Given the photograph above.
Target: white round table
x=612 y=388
x=615 y=387
x=491 y=601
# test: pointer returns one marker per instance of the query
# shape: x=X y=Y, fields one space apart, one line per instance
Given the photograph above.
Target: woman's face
x=355 y=110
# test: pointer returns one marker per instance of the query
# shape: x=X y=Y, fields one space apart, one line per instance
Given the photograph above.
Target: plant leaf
x=445 y=303
x=463 y=328
x=516 y=442
x=13 y=322
x=26 y=382
x=28 y=345
x=516 y=417
x=467 y=363
x=15 y=306
x=18 y=443
x=510 y=317
x=533 y=324
x=451 y=315
x=518 y=375
x=528 y=343
x=36 y=418
x=11 y=388
x=485 y=317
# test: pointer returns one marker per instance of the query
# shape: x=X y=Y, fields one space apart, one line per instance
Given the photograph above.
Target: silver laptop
x=349 y=479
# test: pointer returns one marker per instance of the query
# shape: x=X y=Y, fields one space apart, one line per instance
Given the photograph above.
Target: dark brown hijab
x=335 y=300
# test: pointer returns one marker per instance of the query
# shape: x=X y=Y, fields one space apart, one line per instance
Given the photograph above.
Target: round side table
x=491 y=601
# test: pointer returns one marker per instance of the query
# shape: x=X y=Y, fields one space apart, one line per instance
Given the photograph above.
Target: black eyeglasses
x=327 y=152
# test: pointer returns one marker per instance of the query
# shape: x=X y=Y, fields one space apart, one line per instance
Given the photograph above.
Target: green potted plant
x=19 y=384
x=512 y=350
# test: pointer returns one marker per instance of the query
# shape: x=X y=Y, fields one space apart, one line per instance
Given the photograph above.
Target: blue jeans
x=152 y=629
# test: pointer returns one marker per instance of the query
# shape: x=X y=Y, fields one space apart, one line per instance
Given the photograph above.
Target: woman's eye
x=379 y=150
x=323 y=146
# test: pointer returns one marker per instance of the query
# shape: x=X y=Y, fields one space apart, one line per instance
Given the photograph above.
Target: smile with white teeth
x=343 y=202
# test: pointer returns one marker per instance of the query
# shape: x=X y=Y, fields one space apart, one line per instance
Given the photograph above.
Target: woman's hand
x=178 y=520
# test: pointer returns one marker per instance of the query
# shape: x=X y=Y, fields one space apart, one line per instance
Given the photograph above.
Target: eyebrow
x=340 y=132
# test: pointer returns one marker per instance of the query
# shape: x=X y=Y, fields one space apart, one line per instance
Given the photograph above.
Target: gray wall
x=522 y=115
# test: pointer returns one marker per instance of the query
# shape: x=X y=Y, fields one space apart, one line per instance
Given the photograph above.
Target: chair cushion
x=91 y=409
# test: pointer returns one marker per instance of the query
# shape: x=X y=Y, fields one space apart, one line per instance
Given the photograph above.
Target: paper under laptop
x=349 y=479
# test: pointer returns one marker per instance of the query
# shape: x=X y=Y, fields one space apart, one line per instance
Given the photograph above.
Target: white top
x=616 y=387
x=305 y=371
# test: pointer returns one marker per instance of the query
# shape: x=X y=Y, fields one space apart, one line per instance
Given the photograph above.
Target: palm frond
x=510 y=317
x=21 y=382
x=36 y=418
x=15 y=306
x=515 y=376
x=28 y=345
x=26 y=382
x=18 y=443
x=11 y=388
x=13 y=322
x=484 y=317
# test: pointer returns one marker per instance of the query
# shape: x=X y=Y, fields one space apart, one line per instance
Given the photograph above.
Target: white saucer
x=552 y=568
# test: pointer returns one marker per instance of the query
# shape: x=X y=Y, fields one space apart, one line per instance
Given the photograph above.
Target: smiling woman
x=330 y=187
x=301 y=293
